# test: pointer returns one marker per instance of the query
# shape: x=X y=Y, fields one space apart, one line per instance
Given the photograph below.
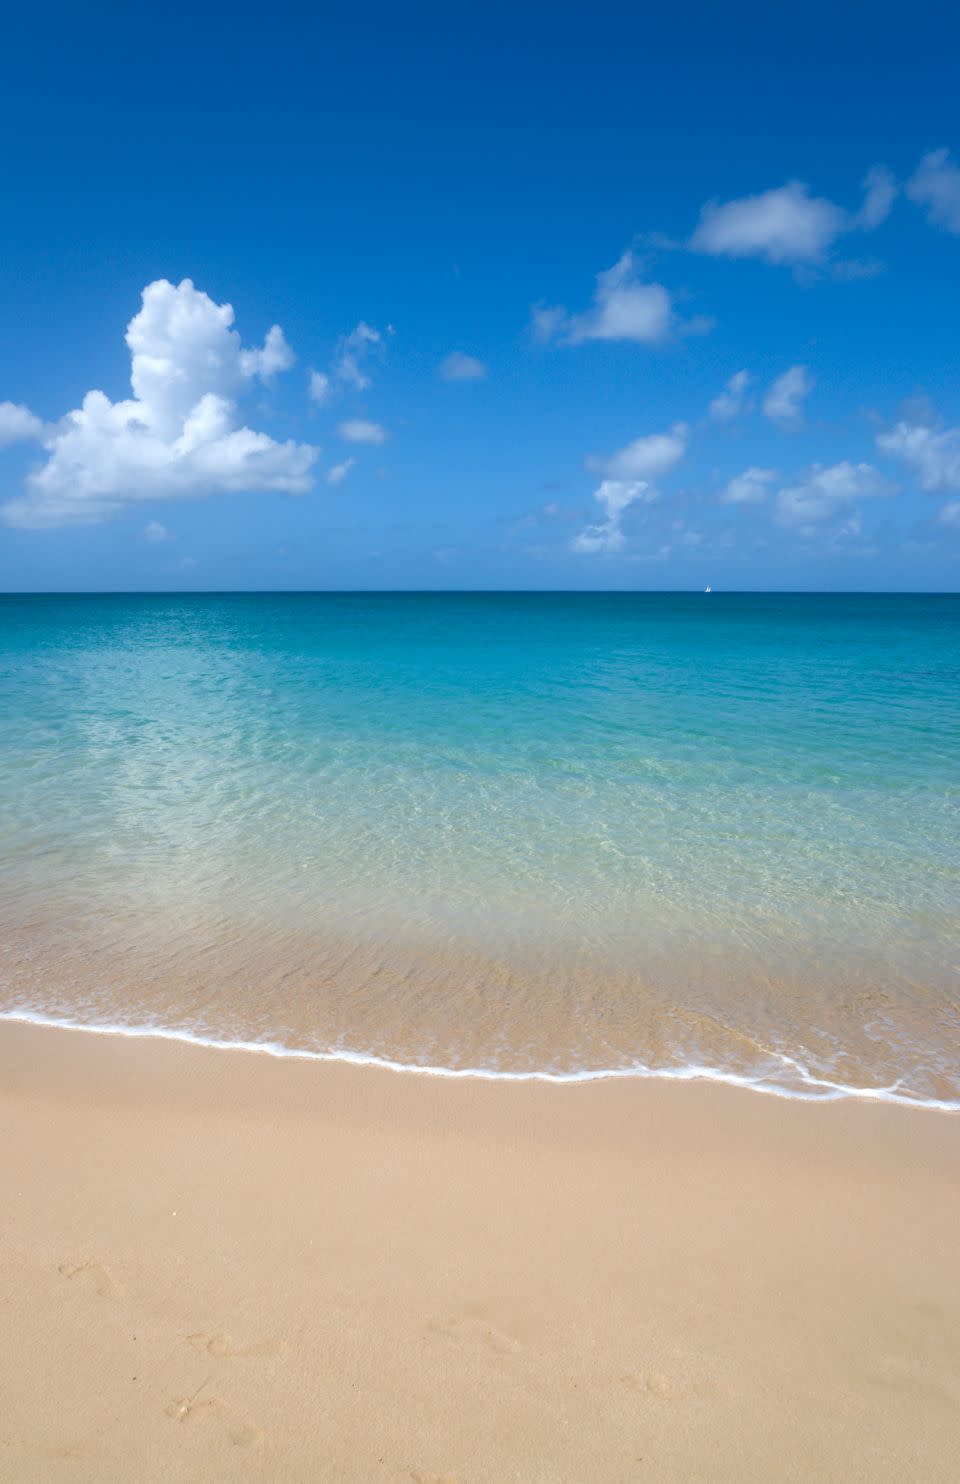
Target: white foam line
x=832 y=1091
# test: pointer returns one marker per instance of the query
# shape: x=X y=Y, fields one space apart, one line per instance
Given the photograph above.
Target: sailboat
x=708 y=589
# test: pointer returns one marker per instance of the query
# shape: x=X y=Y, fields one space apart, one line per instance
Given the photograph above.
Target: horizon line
x=591 y=592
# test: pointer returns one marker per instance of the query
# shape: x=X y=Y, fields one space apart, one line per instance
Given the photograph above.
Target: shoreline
x=230 y=1267
x=832 y=1092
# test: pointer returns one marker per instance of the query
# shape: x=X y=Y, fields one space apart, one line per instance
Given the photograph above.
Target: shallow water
x=563 y=834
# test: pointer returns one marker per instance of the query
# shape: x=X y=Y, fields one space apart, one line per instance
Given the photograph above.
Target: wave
x=807 y=1088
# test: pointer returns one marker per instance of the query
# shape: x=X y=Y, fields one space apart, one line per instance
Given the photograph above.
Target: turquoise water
x=518 y=833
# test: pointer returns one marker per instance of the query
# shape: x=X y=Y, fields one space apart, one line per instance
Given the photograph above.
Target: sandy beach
x=218 y=1265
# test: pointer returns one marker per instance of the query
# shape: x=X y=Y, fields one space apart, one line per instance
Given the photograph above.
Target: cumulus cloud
x=787 y=224
x=178 y=436
x=731 y=401
x=828 y=492
x=338 y=473
x=614 y=496
x=935 y=184
x=154 y=531
x=647 y=458
x=458 y=366
x=782 y=404
x=18 y=424
x=932 y=454
x=748 y=488
x=358 y=430
x=625 y=307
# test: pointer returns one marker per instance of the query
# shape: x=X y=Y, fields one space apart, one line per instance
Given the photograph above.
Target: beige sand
x=218 y=1266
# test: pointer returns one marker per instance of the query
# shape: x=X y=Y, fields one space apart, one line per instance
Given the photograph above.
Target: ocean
x=509 y=834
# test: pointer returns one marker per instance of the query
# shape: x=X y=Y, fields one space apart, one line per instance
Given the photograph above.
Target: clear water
x=518 y=833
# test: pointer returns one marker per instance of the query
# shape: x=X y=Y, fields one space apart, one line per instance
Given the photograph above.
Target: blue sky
x=567 y=296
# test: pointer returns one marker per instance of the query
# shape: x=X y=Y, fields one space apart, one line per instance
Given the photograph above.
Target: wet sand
x=216 y=1265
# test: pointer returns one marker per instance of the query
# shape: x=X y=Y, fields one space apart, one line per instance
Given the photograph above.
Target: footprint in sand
x=71 y=1452
x=468 y=1330
x=197 y=1408
x=225 y=1347
x=656 y=1384
x=93 y=1273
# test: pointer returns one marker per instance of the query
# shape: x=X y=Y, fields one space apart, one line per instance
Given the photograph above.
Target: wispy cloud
x=783 y=403
x=359 y=430
x=350 y=364
x=935 y=184
x=353 y=353
x=338 y=473
x=319 y=387
x=732 y=400
x=458 y=366
x=827 y=492
x=749 y=488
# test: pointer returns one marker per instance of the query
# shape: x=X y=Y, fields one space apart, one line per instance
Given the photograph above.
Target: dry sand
x=220 y=1266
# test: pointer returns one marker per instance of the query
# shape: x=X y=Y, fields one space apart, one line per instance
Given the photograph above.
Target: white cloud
x=154 y=531
x=353 y=351
x=358 y=430
x=460 y=367
x=645 y=458
x=950 y=514
x=275 y=355
x=748 y=488
x=935 y=184
x=547 y=321
x=782 y=404
x=851 y=527
x=931 y=453
x=828 y=492
x=319 y=388
x=349 y=365
x=614 y=496
x=625 y=308
x=338 y=473
x=730 y=403
x=879 y=193
x=787 y=224
x=18 y=424
x=177 y=437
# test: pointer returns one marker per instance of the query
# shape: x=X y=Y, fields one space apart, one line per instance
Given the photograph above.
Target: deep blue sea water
x=519 y=833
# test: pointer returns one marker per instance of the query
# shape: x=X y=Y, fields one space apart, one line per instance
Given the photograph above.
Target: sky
x=512 y=296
